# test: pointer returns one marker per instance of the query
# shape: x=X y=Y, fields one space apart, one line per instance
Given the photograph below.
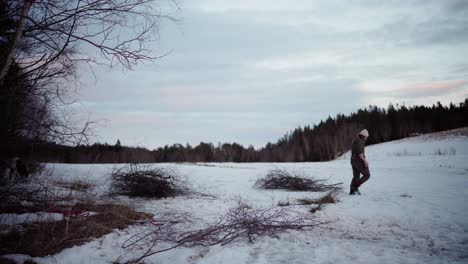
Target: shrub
x=36 y=167
x=40 y=192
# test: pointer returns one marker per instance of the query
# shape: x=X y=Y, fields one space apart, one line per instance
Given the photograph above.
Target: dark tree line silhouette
x=321 y=142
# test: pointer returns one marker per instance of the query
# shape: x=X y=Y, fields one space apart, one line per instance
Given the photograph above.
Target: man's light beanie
x=364 y=132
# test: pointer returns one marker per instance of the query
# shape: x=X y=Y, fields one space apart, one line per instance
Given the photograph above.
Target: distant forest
x=321 y=142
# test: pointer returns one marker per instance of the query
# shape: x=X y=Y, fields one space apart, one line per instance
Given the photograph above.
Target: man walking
x=359 y=162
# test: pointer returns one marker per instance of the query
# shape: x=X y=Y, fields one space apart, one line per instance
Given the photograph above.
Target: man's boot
x=356 y=190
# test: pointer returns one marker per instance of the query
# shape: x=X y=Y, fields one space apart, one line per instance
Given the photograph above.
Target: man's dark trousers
x=359 y=167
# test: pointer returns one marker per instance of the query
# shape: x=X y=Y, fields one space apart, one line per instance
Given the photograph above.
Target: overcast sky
x=249 y=71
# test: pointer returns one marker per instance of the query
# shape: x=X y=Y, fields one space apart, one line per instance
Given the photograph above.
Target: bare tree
x=19 y=30
x=47 y=40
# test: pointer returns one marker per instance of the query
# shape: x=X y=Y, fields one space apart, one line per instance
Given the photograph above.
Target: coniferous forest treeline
x=320 y=142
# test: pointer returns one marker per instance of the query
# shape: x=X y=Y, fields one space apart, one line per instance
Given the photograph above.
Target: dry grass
x=329 y=198
x=46 y=238
x=77 y=185
x=45 y=194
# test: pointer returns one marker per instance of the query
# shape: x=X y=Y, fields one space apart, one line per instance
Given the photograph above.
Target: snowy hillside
x=412 y=210
x=447 y=143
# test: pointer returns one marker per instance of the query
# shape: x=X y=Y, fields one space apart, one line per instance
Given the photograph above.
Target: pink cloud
x=431 y=88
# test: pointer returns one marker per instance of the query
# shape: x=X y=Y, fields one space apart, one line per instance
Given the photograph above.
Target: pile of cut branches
x=147 y=181
x=243 y=221
x=240 y=222
x=294 y=181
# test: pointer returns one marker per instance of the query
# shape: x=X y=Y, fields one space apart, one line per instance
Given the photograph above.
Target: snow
x=412 y=210
x=14 y=219
x=10 y=219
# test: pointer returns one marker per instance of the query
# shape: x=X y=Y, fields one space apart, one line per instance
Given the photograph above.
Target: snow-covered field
x=414 y=209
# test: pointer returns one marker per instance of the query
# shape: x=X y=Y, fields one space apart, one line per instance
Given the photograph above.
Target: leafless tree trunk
x=19 y=31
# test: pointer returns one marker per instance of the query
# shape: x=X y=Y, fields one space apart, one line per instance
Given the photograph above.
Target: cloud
x=250 y=71
x=422 y=93
x=431 y=88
